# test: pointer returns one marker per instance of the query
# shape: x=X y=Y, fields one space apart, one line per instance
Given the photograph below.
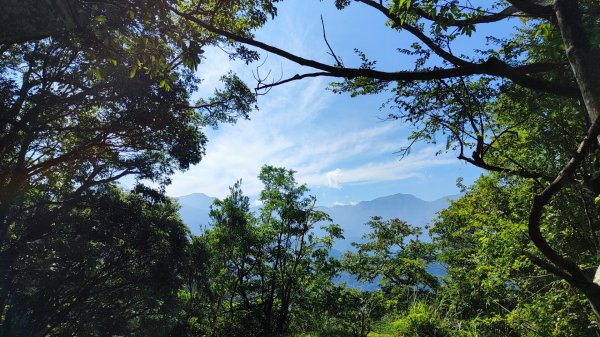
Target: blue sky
x=338 y=145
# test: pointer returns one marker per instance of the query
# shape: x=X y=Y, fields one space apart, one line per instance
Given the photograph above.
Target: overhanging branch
x=490 y=18
x=493 y=66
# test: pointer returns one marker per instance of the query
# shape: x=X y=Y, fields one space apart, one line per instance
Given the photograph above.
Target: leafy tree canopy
x=103 y=91
x=260 y=274
x=393 y=252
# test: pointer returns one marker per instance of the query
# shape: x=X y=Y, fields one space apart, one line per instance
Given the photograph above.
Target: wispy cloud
x=299 y=126
x=351 y=203
x=393 y=169
x=238 y=151
x=321 y=158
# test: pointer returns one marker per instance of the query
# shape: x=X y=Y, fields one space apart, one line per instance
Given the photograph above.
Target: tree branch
x=417 y=33
x=582 y=56
x=492 y=66
x=479 y=162
x=495 y=17
x=296 y=77
x=534 y=9
x=338 y=62
x=542 y=199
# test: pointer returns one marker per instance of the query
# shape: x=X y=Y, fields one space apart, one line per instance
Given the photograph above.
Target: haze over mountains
x=194 y=210
x=352 y=218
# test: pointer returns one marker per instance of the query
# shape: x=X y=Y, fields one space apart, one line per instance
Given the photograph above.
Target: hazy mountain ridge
x=407 y=207
x=195 y=210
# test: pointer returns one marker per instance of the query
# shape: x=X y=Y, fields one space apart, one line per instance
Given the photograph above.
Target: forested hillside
x=102 y=104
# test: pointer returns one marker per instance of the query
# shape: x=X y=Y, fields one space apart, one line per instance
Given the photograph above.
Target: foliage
x=524 y=105
x=357 y=310
x=262 y=273
x=490 y=284
x=393 y=252
x=422 y=319
x=113 y=99
x=91 y=92
x=110 y=266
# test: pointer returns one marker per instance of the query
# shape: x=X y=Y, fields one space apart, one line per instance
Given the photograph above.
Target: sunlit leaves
x=483 y=240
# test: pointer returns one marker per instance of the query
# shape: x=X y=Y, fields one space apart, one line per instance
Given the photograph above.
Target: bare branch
x=296 y=77
x=338 y=61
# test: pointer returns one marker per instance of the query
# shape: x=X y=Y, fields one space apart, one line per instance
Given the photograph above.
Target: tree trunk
x=583 y=58
x=584 y=61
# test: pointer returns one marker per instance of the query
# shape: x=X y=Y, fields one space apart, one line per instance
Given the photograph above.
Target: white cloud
x=239 y=151
x=339 y=203
x=333 y=178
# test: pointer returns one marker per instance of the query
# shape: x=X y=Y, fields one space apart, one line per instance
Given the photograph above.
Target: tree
x=490 y=284
x=112 y=98
x=61 y=140
x=109 y=266
x=221 y=283
x=288 y=247
x=394 y=253
x=252 y=275
x=553 y=55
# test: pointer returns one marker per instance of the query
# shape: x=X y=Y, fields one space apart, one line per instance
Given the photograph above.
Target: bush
x=421 y=320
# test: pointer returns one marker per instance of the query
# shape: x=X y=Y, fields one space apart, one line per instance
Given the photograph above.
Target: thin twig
x=338 y=62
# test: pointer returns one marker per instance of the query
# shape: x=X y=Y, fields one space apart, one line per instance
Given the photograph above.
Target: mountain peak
x=197 y=194
x=399 y=197
x=196 y=200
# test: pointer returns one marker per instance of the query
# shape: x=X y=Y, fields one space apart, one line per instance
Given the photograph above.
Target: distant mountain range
x=352 y=218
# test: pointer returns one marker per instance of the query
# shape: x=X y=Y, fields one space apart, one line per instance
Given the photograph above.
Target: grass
x=341 y=334
x=377 y=334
